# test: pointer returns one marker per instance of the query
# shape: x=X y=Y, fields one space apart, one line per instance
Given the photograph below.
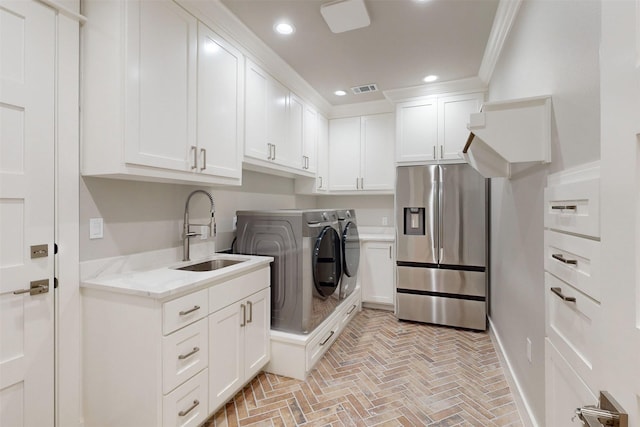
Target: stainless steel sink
x=211 y=265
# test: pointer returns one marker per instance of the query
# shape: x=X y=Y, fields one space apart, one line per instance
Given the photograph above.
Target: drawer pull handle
x=565 y=207
x=191 y=353
x=351 y=309
x=560 y=258
x=328 y=338
x=195 y=403
x=185 y=312
x=558 y=291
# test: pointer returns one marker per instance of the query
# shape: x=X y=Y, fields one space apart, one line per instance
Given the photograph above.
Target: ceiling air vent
x=372 y=87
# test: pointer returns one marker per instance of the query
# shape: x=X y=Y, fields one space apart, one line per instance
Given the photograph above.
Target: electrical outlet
x=96 y=228
x=529 y=350
x=385 y=220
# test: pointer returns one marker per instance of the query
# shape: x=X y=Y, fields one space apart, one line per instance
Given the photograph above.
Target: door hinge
x=55 y=248
x=55 y=283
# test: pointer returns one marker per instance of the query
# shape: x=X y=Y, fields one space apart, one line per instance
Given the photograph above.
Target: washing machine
x=350 y=248
x=307 y=267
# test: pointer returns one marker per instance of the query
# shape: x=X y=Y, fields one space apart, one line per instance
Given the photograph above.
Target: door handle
x=191 y=353
x=36 y=287
x=320 y=186
x=250 y=305
x=269 y=157
x=191 y=408
x=194 y=149
x=274 y=151
x=434 y=152
x=244 y=315
x=561 y=258
x=442 y=152
x=558 y=292
x=204 y=158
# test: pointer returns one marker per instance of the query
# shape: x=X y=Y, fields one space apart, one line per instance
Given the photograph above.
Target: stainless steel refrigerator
x=442 y=245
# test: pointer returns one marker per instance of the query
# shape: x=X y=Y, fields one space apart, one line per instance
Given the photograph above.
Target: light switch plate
x=96 y=228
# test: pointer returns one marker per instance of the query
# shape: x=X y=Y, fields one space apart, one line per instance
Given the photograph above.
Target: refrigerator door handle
x=439 y=210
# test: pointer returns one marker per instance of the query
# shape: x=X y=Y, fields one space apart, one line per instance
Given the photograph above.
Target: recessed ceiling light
x=284 y=28
x=430 y=78
x=340 y=93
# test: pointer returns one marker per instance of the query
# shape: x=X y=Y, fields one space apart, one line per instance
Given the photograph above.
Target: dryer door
x=351 y=249
x=326 y=262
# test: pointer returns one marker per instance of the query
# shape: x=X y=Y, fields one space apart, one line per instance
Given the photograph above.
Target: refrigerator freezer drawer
x=456 y=312
x=455 y=282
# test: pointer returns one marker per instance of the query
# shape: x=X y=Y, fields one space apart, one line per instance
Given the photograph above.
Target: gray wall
x=370 y=210
x=552 y=49
x=142 y=216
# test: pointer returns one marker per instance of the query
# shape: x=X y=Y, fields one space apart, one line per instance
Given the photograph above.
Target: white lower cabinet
x=294 y=355
x=565 y=390
x=376 y=273
x=238 y=345
x=173 y=361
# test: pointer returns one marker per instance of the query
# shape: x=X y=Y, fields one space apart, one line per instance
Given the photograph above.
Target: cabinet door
x=278 y=124
x=564 y=389
x=160 y=117
x=226 y=354
x=417 y=133
x=255 y=125
x=322 y=183
x=453 y=117
x=257 y=333
x=310 y=138
x=220 y=83
x=344 y=153
x=377 y=145
x=377 y=272
x=290 y=154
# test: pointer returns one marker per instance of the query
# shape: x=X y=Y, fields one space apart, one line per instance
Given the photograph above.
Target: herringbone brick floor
x=383 y=372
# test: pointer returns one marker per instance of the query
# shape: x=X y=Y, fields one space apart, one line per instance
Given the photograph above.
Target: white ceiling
x=407 y=40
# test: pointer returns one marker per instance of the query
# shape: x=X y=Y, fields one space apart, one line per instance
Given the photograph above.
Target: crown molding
x=502 y=23
x=220 y=19
x=471 y=84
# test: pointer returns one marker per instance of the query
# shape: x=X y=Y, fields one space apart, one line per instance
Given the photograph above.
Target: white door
x=453 y=117
x=291 y=153
x=377 y=273
x=27 y=43
x=255 y=122
x=278 y=122
x=323 y=154
x=378 y=169
x=226 y=354
x=220 y=107
x=344 y=153
x=310 y=142
x=162 y=40
x=417 y=130
x=257 y=332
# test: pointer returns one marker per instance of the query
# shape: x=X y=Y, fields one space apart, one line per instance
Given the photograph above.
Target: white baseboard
x=526 y=414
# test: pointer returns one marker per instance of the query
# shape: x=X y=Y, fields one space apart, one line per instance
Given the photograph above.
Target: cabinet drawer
x=571 y=326
x=319 y=345
x=565 y=390
x=187 y=405
x=575 y=260
x=574 y=207
x=184 y=353
x=352 y=307
x=184 y=310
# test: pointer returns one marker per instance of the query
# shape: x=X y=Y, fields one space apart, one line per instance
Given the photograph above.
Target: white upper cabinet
x=322 y=176
x=160 y=74
x=156 y=105
x=310 y=139
x=220 y=105
x=274 y=128
x=361 y=153
x=417 y=130
x=434 y=128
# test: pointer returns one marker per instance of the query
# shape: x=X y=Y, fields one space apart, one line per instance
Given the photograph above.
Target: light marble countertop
x=166 y=281
x=376 y=234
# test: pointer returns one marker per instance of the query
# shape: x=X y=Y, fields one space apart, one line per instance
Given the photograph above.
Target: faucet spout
x=187 y=233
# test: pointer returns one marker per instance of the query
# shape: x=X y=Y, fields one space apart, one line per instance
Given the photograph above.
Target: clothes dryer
x=307 y=267
x=350 y=246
